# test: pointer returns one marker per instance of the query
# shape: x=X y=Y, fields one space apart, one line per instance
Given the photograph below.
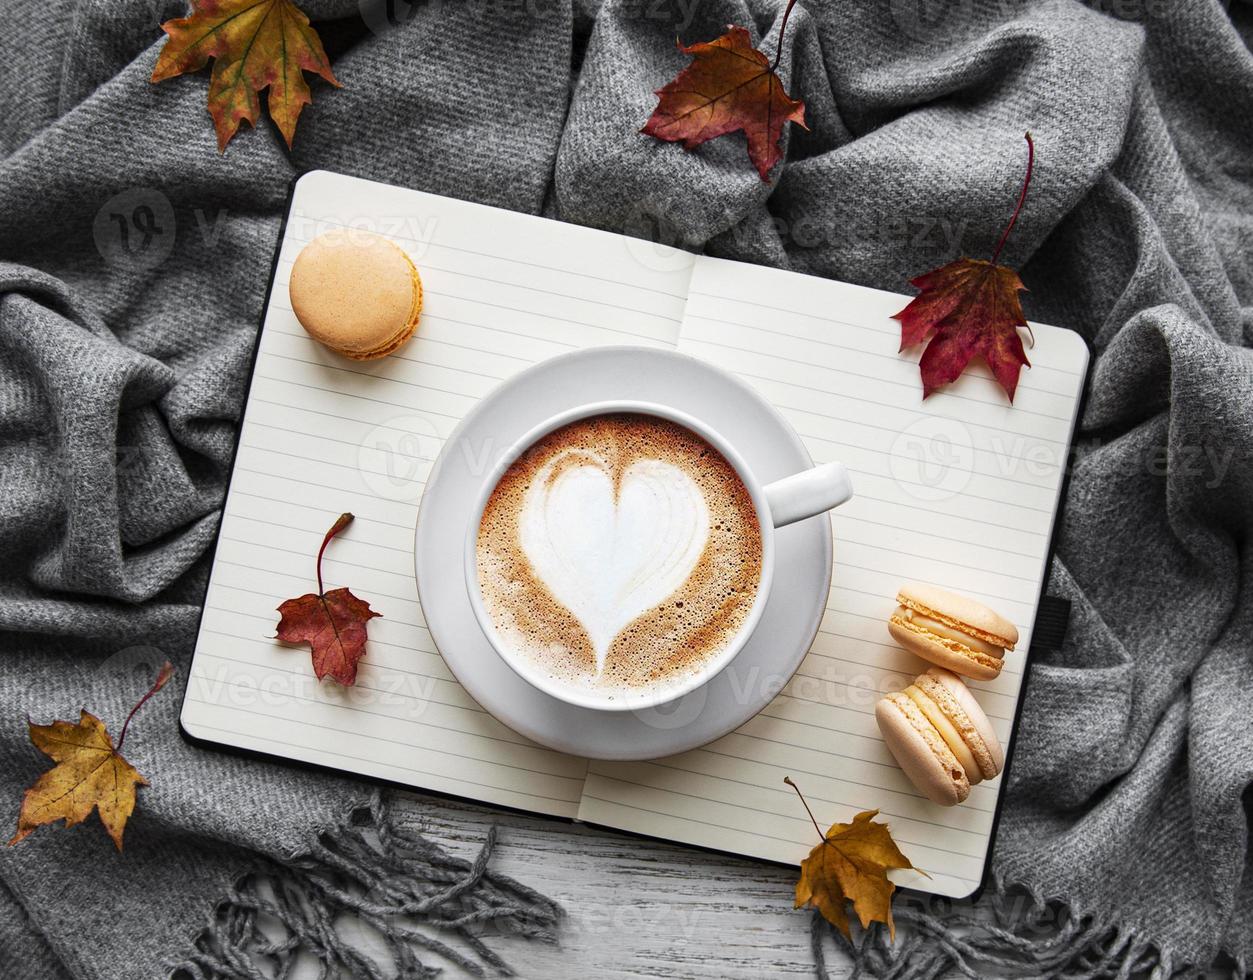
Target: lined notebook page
x=322 y=435
x=960 y=493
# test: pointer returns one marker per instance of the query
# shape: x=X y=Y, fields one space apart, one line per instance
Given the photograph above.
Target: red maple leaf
x=969 y=307
x=332 y=623
x=729 y=86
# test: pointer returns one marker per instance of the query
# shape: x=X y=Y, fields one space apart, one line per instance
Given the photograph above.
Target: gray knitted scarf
x=1123 y=845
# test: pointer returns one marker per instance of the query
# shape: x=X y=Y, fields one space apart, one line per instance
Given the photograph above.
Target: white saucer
x=802 y=561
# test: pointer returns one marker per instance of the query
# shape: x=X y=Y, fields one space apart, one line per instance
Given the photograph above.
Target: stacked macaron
x=935 y=728
x=952 y=631
x=940 y=736
x=356 y=292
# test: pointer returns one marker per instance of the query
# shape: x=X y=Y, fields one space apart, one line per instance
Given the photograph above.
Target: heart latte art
x=618 y=553
x=610 y=553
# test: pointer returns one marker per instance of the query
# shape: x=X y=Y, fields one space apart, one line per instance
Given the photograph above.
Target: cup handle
x=805 y=494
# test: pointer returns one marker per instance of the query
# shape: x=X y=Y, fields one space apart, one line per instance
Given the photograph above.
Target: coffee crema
x=619 y=553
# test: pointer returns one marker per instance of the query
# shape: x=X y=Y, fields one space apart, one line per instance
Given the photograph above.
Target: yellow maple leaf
x=255 y=44
x=851 y=864
x=90 y=774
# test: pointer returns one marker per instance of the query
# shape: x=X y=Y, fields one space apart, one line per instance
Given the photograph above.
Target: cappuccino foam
x=619 y=553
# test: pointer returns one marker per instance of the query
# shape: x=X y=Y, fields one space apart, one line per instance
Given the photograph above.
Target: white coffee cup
x=786 y=501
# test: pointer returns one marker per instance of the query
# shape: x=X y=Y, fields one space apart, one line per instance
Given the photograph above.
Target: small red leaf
x=332 y=623
x=969 y=308
x=729 y=86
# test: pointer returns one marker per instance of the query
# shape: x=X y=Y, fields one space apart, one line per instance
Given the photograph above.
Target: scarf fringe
x=369 y=871
x=1011 y=933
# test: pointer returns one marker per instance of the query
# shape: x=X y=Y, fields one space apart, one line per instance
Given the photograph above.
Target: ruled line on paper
x=885 y=327
x=834 y=392
x=804 y=829
x=686 y=829
x=293 y=240
x=794 y=770
x=368 y=666
x=436 y=779
x=952 y=827
x=421 y=243
x=634 y=335
x=495 y=379
x=417 y=722
x=428 y=265
x=893 y=357
x=788 y=799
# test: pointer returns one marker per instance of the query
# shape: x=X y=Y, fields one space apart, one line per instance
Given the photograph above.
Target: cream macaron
x=940 y=736
x=952 y=631
x=356 y=292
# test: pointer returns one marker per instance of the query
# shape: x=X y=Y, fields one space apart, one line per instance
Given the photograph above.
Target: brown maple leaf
x=90 y=773
x=729 y=86
x=969 y=308
x=332 y=623
x=850 y=864
x=255 y=44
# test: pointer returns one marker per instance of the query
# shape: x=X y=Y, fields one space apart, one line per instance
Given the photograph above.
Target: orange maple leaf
x=850 y=864
x=969 y=307
x=729 y=86
x=255 y=44
x=90 y=774
x=332 y=623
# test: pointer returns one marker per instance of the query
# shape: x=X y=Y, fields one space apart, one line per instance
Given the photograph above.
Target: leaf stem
x=805 y=804
x=778 y=52
x=163 y=675
x=1026 y=182
x=341 y=522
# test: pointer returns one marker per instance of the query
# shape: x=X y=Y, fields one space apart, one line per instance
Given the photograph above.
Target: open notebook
x=961 y=492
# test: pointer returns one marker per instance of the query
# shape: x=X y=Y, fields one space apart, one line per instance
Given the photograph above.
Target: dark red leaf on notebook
x=332 y=623
x=729 y=86
x=969 y=308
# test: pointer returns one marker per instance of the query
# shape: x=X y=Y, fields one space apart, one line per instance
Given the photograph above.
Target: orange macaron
x=952 y=631
x=940 y=736
x=356 y=292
